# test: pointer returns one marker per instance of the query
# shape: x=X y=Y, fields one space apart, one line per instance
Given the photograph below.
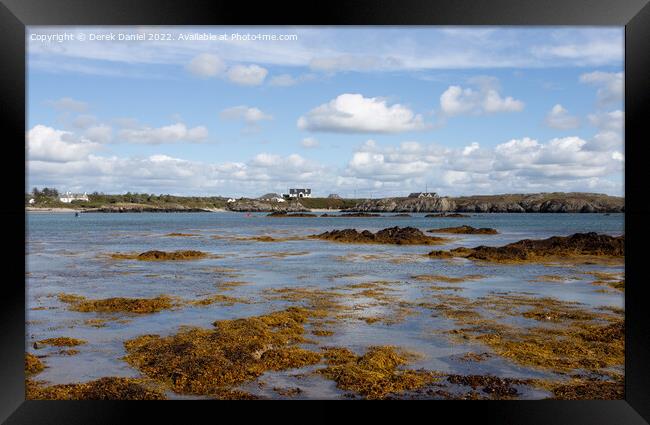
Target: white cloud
x=84 y=121
x=251 y=75
x=518 y=165
x=250 y=115
x=99 y=133
x=167 y=134
x=558 y=117
x=48 y=144
x=309 y=142
x=287 y=80
x=351 y=62
x=206 y=65
x=610 y=130
x=68 y=104
x=610 y=85
x=612 y=121
x=354 y=113
x=485 y=99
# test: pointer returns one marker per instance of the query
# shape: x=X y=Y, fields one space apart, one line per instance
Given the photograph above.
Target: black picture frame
x=15 y=15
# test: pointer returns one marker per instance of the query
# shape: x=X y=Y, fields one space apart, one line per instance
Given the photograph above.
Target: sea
x=71 y=255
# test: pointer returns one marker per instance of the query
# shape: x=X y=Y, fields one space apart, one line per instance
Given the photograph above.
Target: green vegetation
x=331 y=203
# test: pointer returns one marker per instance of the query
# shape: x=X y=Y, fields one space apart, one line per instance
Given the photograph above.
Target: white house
x=299 y=193
x=31 y=200
x=231 y=200
x=69 y=197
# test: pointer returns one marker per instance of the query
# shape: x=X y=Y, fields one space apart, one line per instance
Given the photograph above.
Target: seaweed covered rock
x=118 y=304
x=205 y=361
x=393 y=235
x=108 y=388
x=576 y=245
x=447 y=215
x=465 y=230
x=155 y=255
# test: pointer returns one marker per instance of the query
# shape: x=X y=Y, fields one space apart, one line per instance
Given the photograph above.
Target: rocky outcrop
x=447 y=215
x=542 y=203
x=256 y=205
x=355 y=214
x=393 y=235
x=565 y=247
x=405 y=205
x=508 y=203
x=465 y=230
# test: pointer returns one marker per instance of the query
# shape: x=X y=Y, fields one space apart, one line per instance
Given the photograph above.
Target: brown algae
x=118 y=304
x=33 y=364
x=62 y=342
x=156 y=255
x=375 y=374
x=108 y=388
x=204 y=361
x=393 y=235
x=465 y=230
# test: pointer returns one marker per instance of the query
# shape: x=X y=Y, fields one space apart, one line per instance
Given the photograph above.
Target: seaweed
x=393 y=235
x=205 y=361
x=33 y=364
x=579 y=245
x=156 y=255
x=107 y=388
x=61 y=342
x=374 y=375
x=465 y=230
x=110 y=305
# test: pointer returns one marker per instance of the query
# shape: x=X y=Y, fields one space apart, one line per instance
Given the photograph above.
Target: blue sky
x=375 y=111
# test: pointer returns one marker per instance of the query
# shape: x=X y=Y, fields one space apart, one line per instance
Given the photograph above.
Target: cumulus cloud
x=353 y=113
x=559 y=118
x=610 y=130
x=99 y=133
x=251 y=75
x=517 y=165
x=178 y=132
x=48 y=144
x=309 y=142
x=250 y=115
x=206 y=65
x=68 y=104
x=610 y=85
x=485 y=99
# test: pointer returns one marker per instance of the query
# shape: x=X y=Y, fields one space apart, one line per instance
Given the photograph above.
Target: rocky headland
x=509 y=203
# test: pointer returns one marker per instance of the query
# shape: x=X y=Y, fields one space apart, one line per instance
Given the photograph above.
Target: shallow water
x=68 y=254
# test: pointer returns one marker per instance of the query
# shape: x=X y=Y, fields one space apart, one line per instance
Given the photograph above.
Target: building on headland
x=69 y=197
x=298 y=193
x=334 y=196
x=423 y=195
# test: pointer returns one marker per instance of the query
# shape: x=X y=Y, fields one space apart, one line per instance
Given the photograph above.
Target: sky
x=356 y=111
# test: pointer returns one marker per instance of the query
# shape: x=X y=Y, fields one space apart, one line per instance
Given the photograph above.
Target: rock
x=405 y=205
x=465 y=230
x=576 y=245
x=393 y=235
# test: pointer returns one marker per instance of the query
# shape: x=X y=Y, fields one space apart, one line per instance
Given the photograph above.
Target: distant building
x=231 y=200
x=31 y=200
x=69 y=197
x=423 y=195
x=298 y=193
x=333 y=196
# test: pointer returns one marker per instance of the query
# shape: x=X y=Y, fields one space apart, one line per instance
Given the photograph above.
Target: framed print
x=372 y=201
